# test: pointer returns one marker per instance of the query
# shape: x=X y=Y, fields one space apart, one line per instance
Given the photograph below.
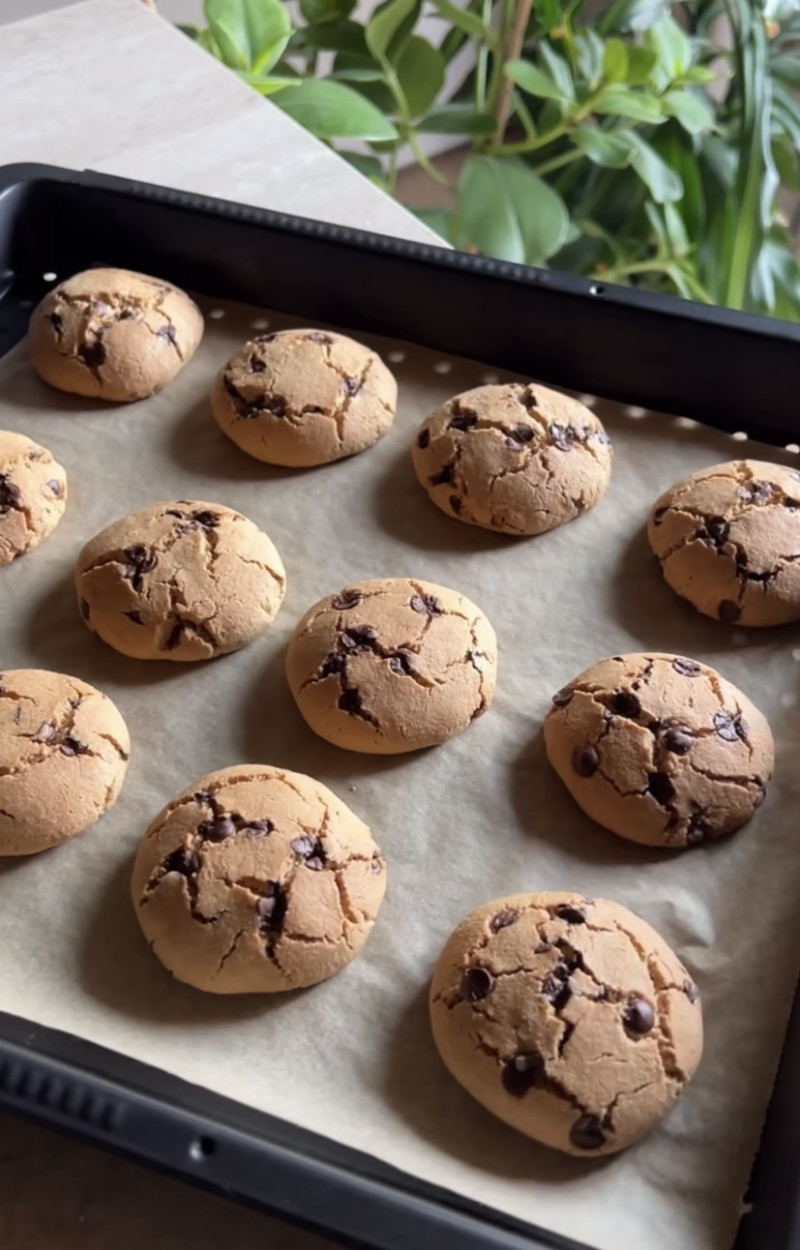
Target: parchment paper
x=479 y=817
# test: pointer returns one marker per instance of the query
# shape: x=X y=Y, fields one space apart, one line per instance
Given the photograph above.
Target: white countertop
x=108 y=85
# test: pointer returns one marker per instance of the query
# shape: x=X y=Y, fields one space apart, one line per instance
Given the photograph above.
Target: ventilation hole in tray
x=49 y=276
x=216 y=314
x=442 y=366
x=396 y=357
x=739 y=436
x=633 y=410
x=596 y=289
x=793 y=447
x=260 y=323
x=489 y=379
x=788 y=699
x=685 y=423
x=202 y=1148
x=588 y=401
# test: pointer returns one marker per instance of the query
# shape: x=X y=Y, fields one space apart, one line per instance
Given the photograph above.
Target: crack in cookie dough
x=660 y=749
x=304 y=397
x=257 y=880
x=113 y=334
x=515 y=458
x=728 y=540
x=33 y=495
x=584 y=1061
x=183 y=580
x=64 y=750
x=392 y=665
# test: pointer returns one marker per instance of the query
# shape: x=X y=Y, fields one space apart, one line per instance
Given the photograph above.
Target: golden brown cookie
x=256 y=879
x=728 y=539
x=64 y=751
x=392 y=665
x=304 y=397
x=33 y=495
x=660 y=749
x=569 y=1018
x=113 y=334
x=516 y=458
x=183 y=580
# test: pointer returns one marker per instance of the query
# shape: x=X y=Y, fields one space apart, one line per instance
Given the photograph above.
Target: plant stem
x=651 y=266
x=483 y=60
x=530 y=145
x=522 y=13
x=423 y=160
x=566 y=158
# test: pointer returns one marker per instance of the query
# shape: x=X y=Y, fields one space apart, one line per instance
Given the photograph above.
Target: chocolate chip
x=175 y=636
x=456 y=503
x=678 y=740
x=463 y=420
x=524 y=1072
x=85 y=609
x=585 y=761
x=317 y=336
x=57 y=322
x=757 y=492
x=183 y=861
x=476 y=983
x=729 y=611
x=311 y=851
x=257 y=365
x=717 y=529
x=9 y=494
x=271 y=907
x=521 y=434
x=350 y=701
x=625 y=703
x=93 y=354
x=135 y=617
x=504 y=918
x=564 y=437
x=659 y=514
x=564 y=696
x=46 y=732
x=359 y=638
x=167 y=332
x=587 y=1133
x=477 y=659
x=221 y=826
x=690 y=990
x=555 y=986
x=258 y=828
x=661 y=788
x=570 y=913
x=423 y=439
x=206 y=519
x=699 y=830
x=427 y=603
x=275 y=405
x=686 y=668
x=332 y=665
x=542 y=948
x=445 y=476
x=731 y=728
x=639 y=1016
x=351 y=385
x=73 y=746
x=346 y=600
x=376 y=863
x=140 y=561
x=56 y=487
x=401 y=663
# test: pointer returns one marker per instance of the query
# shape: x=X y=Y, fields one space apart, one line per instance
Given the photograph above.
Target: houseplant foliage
x=648 y=144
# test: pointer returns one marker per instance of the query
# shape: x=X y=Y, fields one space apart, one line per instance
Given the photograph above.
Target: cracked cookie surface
x=660 y=749
x=64 y=751
x=256 y=879
x=304 y=397
x=181 y=580
x=113 y=334
x=33 y=495
x=728 y=540
x=519 y=459
x=569 y=1018
x=392 y=665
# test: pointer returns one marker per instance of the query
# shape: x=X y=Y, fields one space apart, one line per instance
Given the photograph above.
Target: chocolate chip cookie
x=33 y=495
x=113 y=334
x=304 y=397
x=392 y=665
x=728 y=540
x=569 y=1018
x=256 y=879
x=64 y=751
x=520 y=459
x=660 y=749
x=183 y=580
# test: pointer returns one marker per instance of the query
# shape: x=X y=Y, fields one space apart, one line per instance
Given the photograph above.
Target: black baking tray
x=733 y=371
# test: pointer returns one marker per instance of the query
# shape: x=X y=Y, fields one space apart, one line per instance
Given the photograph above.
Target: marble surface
x=144 y=103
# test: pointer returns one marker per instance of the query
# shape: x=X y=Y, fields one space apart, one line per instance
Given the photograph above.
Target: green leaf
x=699 y=75
x=558 y=70
x=458 y=119
x=615 y=61
x=464 y=20
x=385 y=24
x=442 y=221
x=613 y=151
x=621 y=102
x=420 y=70
x=251 y=34
x=533 y=80
x=662 y=182
x=188 y=28
x=343 y=36
x=659 y=229
x=693 y=111
x=674 y=147
x=268 y=84
x=358 y=73
x=369 y=166
x=676 y=230
x=624 y=15
x=326 y=10
x=550 y=14
x=785 y=155
x=589 y=54
x=786 y=69
x=671 y=46
x=510 y=213
x=641 y=62
x=331 y=110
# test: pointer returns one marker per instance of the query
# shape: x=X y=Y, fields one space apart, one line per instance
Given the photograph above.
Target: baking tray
x=624 y=345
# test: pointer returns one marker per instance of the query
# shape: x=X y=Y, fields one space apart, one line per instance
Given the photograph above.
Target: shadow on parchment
x=422 y=1092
